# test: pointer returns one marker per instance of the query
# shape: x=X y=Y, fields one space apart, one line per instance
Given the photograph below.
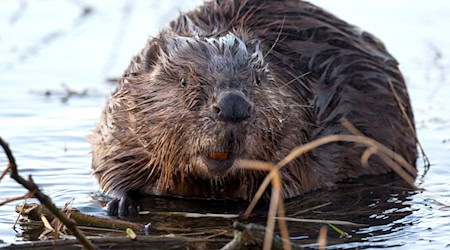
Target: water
x=45 y=44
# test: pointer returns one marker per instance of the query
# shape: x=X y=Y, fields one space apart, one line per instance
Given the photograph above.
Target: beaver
x=247 y=79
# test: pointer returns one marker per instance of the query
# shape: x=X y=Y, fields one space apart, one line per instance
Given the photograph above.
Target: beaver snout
x=232 y=106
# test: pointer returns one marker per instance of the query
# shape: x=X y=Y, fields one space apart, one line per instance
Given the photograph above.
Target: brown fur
x=302 y=70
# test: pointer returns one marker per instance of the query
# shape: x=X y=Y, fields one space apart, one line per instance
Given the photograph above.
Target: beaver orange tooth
x=219 y=156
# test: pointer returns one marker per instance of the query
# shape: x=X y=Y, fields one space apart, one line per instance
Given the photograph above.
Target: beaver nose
x=232 y=106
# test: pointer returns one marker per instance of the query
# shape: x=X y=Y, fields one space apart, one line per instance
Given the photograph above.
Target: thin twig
x=17 y=198
x=4 y=172
x=310 y=209
x=44 y=199
x=18 y=215
x=336 y=222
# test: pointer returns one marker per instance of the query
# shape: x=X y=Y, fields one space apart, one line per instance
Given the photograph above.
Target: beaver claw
x=124 y=206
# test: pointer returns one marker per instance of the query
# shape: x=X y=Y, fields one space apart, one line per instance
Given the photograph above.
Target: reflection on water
x=84 y=43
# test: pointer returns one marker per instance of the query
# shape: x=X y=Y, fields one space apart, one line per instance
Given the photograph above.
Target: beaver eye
x=183 y=83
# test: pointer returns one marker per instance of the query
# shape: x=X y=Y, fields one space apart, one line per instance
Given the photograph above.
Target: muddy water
x=49 y=46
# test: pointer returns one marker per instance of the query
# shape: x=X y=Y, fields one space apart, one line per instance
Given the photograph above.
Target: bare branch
x=44 y=199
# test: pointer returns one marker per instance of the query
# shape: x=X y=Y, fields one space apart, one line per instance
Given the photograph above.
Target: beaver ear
x=254 y=49
x=156 y=48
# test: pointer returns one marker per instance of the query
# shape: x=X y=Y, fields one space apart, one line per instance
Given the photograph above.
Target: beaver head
x=205 y=102
x=200 y=93
x=187 y=109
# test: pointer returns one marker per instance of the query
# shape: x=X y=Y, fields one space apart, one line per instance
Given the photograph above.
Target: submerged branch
x=247 y=235
x=34 y=212
x=142 y=242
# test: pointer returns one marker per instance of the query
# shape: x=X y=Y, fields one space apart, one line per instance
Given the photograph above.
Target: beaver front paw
x=124 y=206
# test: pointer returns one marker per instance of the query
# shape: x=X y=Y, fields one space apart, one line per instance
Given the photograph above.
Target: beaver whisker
x=291 y=106
x=277 y=38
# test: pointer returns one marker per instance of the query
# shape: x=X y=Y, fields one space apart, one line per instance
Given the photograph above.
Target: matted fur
x=301 y=68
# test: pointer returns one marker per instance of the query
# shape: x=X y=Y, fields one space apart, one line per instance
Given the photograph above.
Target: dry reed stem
x=387 y=154
x=366 y=156
x=256 y=165
x=296 y=152
x=396 y=162
x=410 y=125
x=274 y=200
x=283 y=225
x=322 y=241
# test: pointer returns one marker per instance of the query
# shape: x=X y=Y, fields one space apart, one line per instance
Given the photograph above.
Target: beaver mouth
x=218 y=163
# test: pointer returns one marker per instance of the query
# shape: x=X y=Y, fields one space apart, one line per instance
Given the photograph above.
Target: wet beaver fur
x=247 y=79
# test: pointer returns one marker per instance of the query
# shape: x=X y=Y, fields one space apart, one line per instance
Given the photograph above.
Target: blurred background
x=57 y=58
